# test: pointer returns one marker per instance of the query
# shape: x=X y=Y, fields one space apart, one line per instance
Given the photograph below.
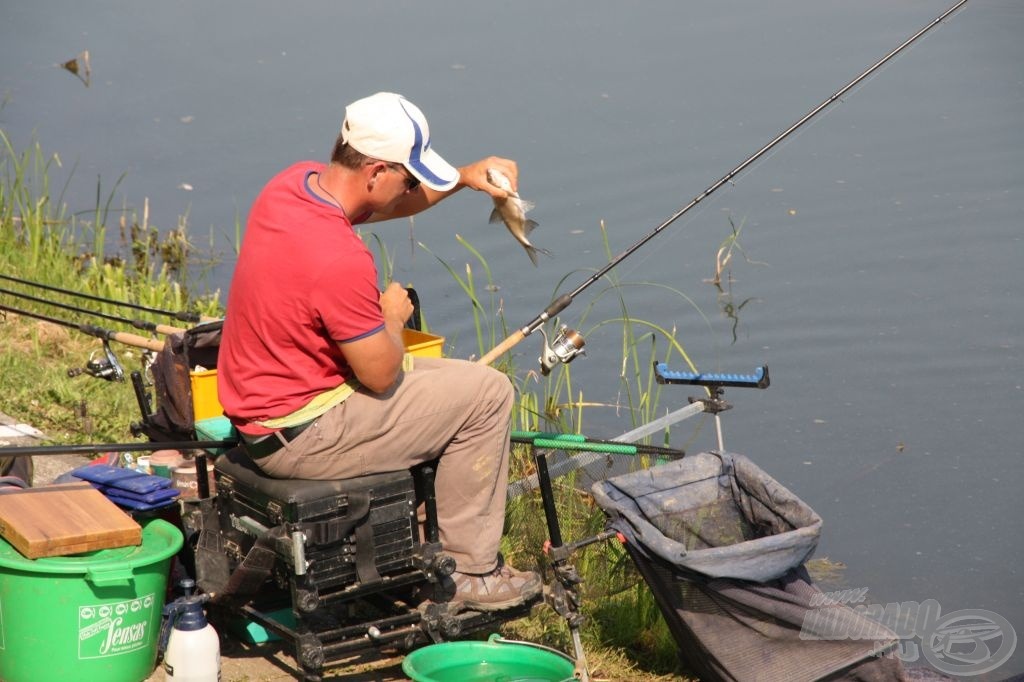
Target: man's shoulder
x=296 y=172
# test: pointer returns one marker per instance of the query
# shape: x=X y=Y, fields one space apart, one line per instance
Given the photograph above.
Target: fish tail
x=532 y=252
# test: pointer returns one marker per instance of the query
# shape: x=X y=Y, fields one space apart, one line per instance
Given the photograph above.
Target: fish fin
x=527 y=205
x=528 y=226
x=495 y=216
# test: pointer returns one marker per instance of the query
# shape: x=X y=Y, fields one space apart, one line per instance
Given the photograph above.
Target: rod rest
x=759 y=379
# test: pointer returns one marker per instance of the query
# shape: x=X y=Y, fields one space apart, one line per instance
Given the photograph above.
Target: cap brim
x=433 y=171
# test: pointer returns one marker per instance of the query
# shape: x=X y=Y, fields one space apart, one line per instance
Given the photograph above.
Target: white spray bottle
x=190 y=644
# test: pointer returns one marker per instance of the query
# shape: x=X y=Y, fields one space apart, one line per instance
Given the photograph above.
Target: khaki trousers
x=458 y=410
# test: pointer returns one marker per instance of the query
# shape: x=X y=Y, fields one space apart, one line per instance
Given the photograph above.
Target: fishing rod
x=182 y=316
x=106 y=367
x=138 y=324
x=92 y=330
x=569 y=343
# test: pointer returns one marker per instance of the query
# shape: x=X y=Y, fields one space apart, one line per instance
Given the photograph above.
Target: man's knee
x=499 y=386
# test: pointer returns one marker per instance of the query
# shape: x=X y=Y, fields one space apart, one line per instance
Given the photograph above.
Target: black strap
x=249 y=576
x=366 y=555
x=337 y=529
x=357 y=517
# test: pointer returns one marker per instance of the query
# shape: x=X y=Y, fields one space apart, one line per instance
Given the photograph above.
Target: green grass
x=624 y=634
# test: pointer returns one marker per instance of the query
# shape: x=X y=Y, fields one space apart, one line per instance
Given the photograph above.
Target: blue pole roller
x=664 y=375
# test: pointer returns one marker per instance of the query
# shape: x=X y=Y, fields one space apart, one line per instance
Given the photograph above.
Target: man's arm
x=473 y=176
x=376 y=360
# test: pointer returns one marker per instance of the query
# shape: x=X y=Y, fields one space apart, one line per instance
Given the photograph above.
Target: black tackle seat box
x=332 y=514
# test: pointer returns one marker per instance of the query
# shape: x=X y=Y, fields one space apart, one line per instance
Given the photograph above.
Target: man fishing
x=312 y=370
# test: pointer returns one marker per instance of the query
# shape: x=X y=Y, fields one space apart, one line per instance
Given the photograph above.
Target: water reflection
x=723 y=275
x=80 y=67
x=730 y=309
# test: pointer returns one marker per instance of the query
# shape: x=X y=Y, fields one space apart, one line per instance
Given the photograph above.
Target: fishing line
x=564 y=300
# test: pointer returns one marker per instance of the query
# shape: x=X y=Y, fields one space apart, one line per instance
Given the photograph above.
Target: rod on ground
x=564 y=300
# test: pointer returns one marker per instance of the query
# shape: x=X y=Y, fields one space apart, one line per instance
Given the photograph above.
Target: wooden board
x=59 y=520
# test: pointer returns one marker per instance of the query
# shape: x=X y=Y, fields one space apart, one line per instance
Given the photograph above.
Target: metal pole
x=585 y=459
x=102 y=448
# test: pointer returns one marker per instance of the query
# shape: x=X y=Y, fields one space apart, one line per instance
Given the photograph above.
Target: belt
x=274 y=442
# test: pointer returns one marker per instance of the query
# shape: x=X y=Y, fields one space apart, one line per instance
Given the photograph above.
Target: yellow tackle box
x=205 y=403
x=422 y=344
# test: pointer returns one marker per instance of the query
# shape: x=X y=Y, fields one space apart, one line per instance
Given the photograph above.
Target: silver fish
x=512 y=211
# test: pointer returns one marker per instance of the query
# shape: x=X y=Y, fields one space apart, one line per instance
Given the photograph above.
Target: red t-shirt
x=304 y=281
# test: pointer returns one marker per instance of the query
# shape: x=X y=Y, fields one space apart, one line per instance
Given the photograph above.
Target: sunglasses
x=411 y=181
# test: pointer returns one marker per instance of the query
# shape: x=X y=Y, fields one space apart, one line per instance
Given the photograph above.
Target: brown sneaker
x=502 y=588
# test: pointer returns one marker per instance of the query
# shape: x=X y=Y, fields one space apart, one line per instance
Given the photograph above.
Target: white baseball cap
x=388 y=127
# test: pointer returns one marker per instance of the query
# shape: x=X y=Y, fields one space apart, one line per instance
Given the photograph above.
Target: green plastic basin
x=496 y=660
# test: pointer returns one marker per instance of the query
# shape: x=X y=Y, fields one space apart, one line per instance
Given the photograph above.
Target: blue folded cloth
x=121 y=499
x=159 y=496
x=128 y=488
x=121 y=478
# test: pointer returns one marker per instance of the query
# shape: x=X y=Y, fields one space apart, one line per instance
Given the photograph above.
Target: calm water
x=884 y=282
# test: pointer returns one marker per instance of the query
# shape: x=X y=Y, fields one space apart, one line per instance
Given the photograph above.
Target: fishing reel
x=568 y=343
x=102 y=367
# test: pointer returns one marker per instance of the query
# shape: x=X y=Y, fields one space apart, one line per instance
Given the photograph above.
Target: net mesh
x=722 y=546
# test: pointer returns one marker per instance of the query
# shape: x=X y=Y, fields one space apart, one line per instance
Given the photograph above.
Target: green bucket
x=496 y=660
x=92 y=616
